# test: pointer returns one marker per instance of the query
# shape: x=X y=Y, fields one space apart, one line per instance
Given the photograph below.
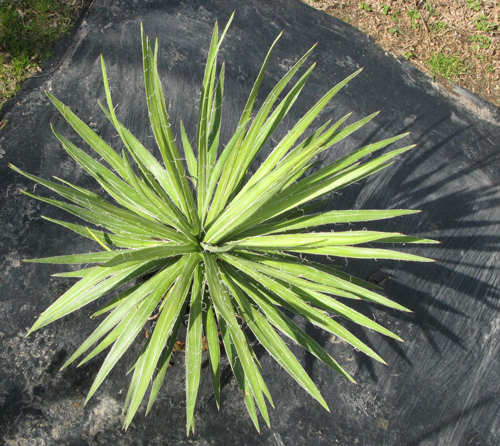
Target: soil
x=452 y=40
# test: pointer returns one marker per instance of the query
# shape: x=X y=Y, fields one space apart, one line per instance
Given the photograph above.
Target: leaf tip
x=88 y=396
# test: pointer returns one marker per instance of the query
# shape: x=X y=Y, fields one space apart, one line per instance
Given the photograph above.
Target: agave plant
x=210 y=241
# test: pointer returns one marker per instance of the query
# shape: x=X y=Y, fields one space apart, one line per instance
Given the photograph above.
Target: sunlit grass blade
x=216 y=120
x=360 y=253
x=310 y=188
x=308 y=240
x=91 y=257
x=212 y=335
x=164 y=361
x=115 y=301
x=239 y=374
x=105 y=237
x=113 y=335
x=181 y=194
x=283 y=323
x=222 y=163
x=163 y=329
x=153 y=175
x=323 y=218
x=135 y=325
x=191 y=161
x=253 y=261
x=225 y=311
x=203 y=129
x=88 y=289
x=79 y=273
x=231 y=174
x=272 y=342
x=194 y=347
x=161 y=251
x=90 y=137
x=289 y=299
x=258 y=136
x=299 y=128
x=117 y=220
x=328 y=276
x=125 y=195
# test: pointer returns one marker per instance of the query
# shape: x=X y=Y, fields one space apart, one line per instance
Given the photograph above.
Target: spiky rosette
x=228 y=247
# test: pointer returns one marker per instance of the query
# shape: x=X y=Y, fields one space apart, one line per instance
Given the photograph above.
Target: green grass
x=483 y=42
x=475 y=5
x=415 y=17
x=395 y=15
x=449 y=67
x=385 y=8
x=366 y=6
x=395 y=30
x=28 y=30
x=482 y=24
x=430 y=9
x=437 y=27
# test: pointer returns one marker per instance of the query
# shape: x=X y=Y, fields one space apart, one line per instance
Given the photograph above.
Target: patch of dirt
x=451 y=40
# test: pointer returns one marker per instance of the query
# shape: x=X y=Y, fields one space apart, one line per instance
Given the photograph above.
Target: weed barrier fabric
x=441 y=387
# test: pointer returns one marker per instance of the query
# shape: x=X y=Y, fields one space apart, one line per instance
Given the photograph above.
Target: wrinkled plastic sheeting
x=441 y=387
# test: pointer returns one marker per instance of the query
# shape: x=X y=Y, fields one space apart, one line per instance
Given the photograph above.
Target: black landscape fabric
x=441 y=387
